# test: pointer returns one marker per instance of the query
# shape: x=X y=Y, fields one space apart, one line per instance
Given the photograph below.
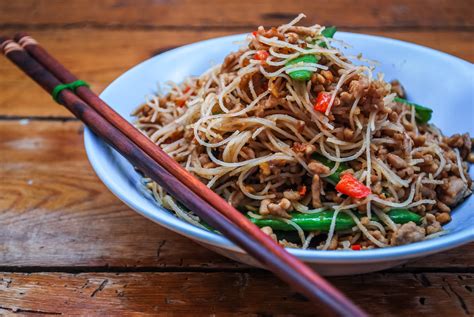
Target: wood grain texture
x=54 y=211
x=243 y=13
x=250 y=294
x=54 y=216
x=57 y=219
x=84 y=52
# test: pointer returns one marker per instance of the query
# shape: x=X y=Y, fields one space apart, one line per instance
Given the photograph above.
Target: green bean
x=302 y=75
x=422 y=114
x=321 y=221
x=401 y=216
x=336 y=176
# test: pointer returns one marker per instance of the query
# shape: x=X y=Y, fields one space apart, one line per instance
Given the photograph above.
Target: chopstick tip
x=24 y=39
x=3 y=39
x=7 y=45
x=18 y=36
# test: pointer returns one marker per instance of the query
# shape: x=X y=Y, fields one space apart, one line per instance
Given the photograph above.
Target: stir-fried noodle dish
x=314 y=148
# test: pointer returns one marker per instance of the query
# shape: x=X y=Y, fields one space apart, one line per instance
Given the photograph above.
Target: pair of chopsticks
x=37 y=63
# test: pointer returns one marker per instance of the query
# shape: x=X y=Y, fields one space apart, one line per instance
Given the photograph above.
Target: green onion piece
x=422 y=114
x=302 y=75
x=328 y=33
x=336 y=176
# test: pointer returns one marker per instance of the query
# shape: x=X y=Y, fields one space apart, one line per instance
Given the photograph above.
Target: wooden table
x=68 y=246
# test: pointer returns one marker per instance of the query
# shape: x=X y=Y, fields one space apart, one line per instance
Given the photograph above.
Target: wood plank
x=54 y=212
x=87 y=56
x=250 y=294
x=150 y=13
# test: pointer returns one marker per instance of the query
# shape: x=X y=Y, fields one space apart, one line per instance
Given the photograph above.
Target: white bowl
x=431 y=78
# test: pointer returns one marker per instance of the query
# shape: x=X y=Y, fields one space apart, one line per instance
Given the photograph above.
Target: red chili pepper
x=261 y=55
x=356 y=247
x=185 y=90
x=254 y=33
x=302 y=190
x=322 y=102
x=351 y=186
x=180 y=102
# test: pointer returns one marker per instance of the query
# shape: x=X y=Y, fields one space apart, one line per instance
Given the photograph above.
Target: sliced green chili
x=302 y=75
x=422 y=114
x=336 y=176
x=321 y=221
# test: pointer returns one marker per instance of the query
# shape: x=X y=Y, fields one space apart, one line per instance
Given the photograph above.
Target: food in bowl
x=307 y=142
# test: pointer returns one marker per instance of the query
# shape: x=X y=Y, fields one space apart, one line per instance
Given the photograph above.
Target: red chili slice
x=180 y=102
x=322 y=102
x=261 y=55
x=302 y=190
x=352 y=187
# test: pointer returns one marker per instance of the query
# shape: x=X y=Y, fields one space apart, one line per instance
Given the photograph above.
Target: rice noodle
x=442 y=160
x=391 y=176
x=298 y=229
x=331 y=230
x=385 y=218
x=308 y=240
x=421 y=202
x=458 y=161
x=394 y=204
x=436 y=234
x=250 y=129
x=364 y=231
x=181 y=213
x=283 y=28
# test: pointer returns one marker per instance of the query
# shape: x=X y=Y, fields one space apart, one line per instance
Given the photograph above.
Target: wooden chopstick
x=140 y=151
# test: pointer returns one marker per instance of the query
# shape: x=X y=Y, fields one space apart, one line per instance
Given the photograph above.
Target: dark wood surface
x=68 y=246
